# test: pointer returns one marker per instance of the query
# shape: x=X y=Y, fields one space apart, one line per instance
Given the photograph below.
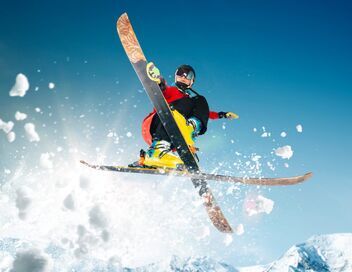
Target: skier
x=191 y=113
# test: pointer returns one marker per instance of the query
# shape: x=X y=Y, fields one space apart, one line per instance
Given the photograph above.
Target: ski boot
x=160 y=155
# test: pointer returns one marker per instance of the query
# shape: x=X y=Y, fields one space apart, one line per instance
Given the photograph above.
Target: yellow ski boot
x=160 y=155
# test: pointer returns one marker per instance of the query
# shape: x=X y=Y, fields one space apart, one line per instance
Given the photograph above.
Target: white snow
x=228 y=239
x=284 y=152
x=11 y=136
x=23 y=201
x=37 y=109
x=21 y=86
x=270 y=165
x=51 y=85
x=283 y=134
x=129 y=134
x=31 y=134
x=320 y=253
x=258 y=204
x=6 y=126
x=19 y=116
x=45 y=160
x=239 y=229
x=265 y=134
x=69 y=202
x=256 y=158
x=299 y=128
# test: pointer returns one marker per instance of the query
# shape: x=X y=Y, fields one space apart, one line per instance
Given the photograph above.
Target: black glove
x=222 y=114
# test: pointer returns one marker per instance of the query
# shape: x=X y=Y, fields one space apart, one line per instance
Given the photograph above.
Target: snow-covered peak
x=320 y=253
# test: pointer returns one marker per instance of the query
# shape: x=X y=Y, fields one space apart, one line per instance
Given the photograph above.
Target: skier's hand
x=162 y=84
x=228 y=115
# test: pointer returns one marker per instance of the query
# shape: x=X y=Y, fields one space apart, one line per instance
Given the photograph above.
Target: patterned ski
x=216 y=177
x=139 y=63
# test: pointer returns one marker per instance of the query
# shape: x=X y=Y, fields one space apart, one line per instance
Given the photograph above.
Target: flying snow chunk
x=283 y=134
x=265 y=134
x=21 y=86
x=51 y=85
x=19 y=116
x=32 y=135
x=284 y=152
x=239 y=229
x=257 y=205
x=11 y=136
x=6 y=126
x=45 y=160
x=228 y=239
x=299 y=128
x=129 y=134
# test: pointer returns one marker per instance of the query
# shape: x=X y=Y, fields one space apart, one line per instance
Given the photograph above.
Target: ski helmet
x=186 y=71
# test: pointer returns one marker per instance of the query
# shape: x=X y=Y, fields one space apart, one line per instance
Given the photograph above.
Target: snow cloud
x=31 y=260
x=21 y=86
x=32 y=135
x=23 y=202
x=284 y=152
x=97 y=217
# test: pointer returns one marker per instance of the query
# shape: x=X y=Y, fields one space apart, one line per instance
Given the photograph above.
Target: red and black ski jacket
x=171 y=94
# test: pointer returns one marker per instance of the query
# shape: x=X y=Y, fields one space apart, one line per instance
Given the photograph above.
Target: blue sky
x=275 y=64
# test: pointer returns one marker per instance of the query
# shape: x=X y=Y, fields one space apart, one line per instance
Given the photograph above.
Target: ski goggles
x=186 y=74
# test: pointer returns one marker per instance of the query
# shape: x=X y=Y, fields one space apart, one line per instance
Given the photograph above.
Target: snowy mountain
x=319 y=254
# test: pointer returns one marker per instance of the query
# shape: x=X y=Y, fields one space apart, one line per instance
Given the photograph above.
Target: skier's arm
x=221 y=114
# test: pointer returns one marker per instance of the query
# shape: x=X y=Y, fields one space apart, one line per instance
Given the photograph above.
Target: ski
x=139 y=63
x=215 y=177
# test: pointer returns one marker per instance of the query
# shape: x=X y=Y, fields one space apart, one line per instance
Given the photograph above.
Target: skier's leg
x=201 y=112
x=160 y=153
x=158 y=131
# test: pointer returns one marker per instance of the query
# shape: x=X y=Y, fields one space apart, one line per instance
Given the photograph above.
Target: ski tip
x=83 y=162
x=122 y=17
x=308 y=175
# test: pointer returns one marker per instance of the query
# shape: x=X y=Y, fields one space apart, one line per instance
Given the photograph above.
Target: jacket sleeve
x=213 y=115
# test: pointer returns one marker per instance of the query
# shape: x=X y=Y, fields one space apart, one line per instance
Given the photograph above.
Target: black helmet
x=186 y=71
